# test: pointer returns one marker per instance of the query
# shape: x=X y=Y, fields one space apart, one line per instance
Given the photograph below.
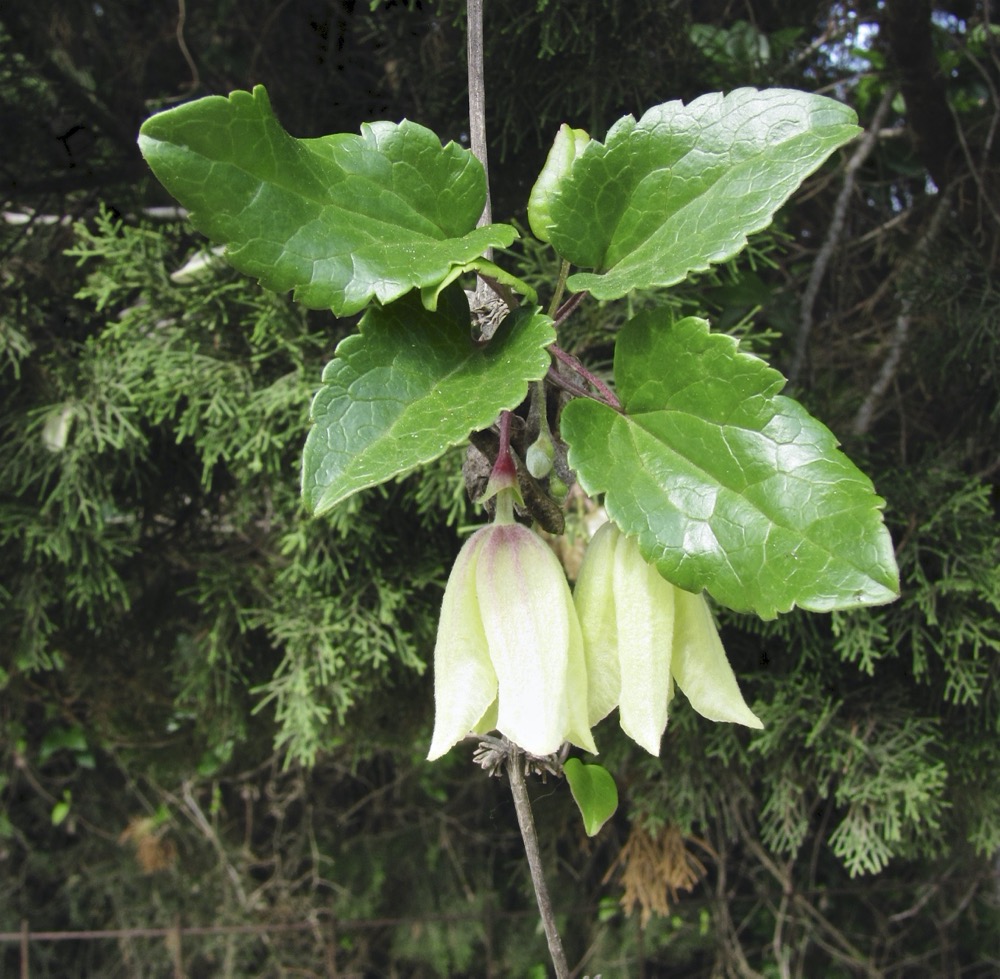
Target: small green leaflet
x=411 y=384
x=683 y=187
x=728 y=485
x=594 y=792
x=341 y=219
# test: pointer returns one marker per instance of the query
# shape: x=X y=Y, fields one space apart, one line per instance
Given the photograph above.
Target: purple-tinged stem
x=570 y=361
x=504 y=472
x=566 y=383
x=565 y=310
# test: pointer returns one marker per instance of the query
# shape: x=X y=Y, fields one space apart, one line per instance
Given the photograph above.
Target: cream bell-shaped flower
x=641 y=635
x=509 y=653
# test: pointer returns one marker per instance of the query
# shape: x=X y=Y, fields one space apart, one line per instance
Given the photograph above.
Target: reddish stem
x=504 y=471
x=570 y=361
x=564 y=311
x=566 y=383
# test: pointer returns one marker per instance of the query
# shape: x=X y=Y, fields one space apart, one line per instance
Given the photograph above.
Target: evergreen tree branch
x=909 y=30
x=825 y=933
x=26 y=28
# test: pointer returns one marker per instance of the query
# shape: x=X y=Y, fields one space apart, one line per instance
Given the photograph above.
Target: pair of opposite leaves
x=726 y=484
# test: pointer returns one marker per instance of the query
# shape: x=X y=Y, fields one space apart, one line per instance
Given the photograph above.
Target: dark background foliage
x=215 y=711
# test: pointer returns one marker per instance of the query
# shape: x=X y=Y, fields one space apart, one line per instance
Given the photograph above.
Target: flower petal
x=465 y=684
x=488 y=722
x=594 y=598
x=526 y=606
x=701 y=668
x=578 y=721
x=644 y=607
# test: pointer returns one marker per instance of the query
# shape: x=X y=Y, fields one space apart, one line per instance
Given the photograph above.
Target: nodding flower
x=509 y=652
x=641 y=635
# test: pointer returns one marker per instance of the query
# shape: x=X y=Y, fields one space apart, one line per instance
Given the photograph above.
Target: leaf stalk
x=608 y=396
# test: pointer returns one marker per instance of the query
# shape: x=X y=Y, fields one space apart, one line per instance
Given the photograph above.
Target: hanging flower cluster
x=641 y=636
x=516 y=652
x=509 y=652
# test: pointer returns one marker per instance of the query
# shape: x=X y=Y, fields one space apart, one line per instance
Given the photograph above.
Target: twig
x=781 y=956
x=837 y=944
x=984 y=193
x=731 y=948
x=198 y=817
x=833 y=234
x=901 y=332
x=182 y=44
x=522 y=806
x=900 y=336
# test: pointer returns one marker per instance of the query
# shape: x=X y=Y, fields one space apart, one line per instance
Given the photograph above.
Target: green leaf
x=429 y=295
x=727 y=484
x=61 y=810
x=683 y=187
x=594 y=792
x=567 y=146
x=58 y=738
x=340 y=219
x=409 y=386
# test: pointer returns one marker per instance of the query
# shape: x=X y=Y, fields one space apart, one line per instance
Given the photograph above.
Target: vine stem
x=565 y=383
x=526 y=821
x=477 y=96
x=570 y=361
x=522 y=804
x=566 y=309
x=557 y=296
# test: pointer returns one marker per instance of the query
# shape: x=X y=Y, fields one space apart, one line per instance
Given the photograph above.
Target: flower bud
x=509 y=654
x=641 y=634
x=539 y=456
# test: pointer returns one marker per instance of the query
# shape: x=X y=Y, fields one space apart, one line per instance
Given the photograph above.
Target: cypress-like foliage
x=217 y=708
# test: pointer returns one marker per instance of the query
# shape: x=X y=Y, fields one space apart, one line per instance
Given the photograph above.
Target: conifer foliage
x=216 y=706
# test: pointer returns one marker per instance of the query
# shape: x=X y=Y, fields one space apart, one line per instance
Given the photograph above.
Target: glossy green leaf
x=594 y=792
x=683 y=187
x=481 y=266
x=341 y=219
x=408 y=386
x=727 y=484
x=566 y=147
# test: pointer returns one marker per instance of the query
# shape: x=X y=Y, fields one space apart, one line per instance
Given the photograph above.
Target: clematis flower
x=641 y=635
x=509 y=653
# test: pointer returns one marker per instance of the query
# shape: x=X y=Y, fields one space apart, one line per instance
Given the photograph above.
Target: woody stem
x=526 y=822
